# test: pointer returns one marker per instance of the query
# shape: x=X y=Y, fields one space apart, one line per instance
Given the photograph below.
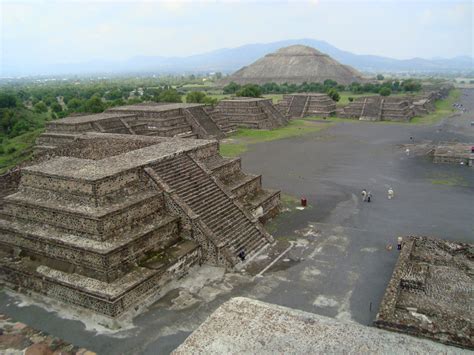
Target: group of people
x=367 y=195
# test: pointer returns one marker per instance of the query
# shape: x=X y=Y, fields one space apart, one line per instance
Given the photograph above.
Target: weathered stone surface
x=247 y=326
x=454 y=153
x=247 y=112
x=295 y=65
x=105 y=220
x=430 y=293
x=307 y=104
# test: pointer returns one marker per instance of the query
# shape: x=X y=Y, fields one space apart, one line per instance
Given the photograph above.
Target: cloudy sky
x=49 y=32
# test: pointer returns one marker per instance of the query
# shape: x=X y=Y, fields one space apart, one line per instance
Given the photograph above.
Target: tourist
x=407 y=151
x=399 y=243
x=369 y=196
x=390 y=193
x=242 y=254
x=364 y=194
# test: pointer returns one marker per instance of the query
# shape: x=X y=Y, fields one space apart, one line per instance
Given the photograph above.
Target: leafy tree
x=333 y=94
x=170 y=95
x=94 y=105
x=75 y=105
x=350 y=98
x=385 y=91
x=40 y=107
x=249 y=90
x=411 y=85
x=7 y=100
x=195 y=96
x=56 y=107
x=380 y=77
x=231 y=88
x=330 y=83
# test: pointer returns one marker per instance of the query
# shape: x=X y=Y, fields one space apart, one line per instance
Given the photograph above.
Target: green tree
x=75 y=105
x=94 y=105
x=385 y=91
x=333 y=94
x=56 y=107
x=195 y=96
x=231 y=88
x=380 y=77
x=40 y=107
x=7 y=100
x=170 y=95
x=249 y=90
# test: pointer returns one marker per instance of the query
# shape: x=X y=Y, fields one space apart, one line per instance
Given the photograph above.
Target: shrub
x=384 y=91
x=333 y=94
x=249 y=90
x=231 y=88
x=40 y=107
x=170 y=95
x=350 y=98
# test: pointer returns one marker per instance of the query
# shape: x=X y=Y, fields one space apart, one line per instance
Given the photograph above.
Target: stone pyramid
x=295 y=65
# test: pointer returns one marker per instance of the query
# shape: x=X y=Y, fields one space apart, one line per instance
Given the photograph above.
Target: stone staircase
x=209 y=128
x=297 y=105
x=276 y=116
x=246 y=188
x=222 y=121
x=204 y=196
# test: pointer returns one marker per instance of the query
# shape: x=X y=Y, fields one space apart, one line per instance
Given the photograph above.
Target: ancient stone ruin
x=150 y=119
x=379 y=108
x=429 y=291
x=295 y=65
x=247 y=112
x=102 y=220
x=454 y=153
x=306 y=104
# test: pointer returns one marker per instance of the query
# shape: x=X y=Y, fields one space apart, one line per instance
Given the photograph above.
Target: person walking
x=369 y=196
x=364 y=195
x=399 y=243
x=390 y=193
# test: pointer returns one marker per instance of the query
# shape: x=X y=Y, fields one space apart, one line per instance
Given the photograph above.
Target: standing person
x=399 y=243
x=369 y=196
x=242 y=254
x=364 y=195
x=390 y=193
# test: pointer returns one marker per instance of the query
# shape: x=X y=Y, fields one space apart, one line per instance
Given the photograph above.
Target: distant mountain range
x=228 y=60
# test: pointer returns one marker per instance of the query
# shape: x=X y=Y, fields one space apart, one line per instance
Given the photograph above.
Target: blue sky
x=76 y=31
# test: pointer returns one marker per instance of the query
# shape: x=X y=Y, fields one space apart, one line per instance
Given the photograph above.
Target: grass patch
x=232 y=149
x=444 y=108
x=17 y=149
x=450 y=181
x=239 y=142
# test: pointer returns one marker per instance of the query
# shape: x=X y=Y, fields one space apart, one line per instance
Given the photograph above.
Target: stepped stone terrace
x=378 y=108
x=454 y=153
x=103 y=220
x=306 y=104
x=151 y=119
x=429 y=291
x=247 y=112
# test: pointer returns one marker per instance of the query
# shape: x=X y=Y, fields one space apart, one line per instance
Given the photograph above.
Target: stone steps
x=205 y=198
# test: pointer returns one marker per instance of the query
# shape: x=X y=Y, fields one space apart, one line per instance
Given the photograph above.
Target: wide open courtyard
x=332 y=258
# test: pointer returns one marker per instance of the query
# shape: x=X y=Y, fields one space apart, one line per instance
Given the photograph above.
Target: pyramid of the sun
x=295 y=65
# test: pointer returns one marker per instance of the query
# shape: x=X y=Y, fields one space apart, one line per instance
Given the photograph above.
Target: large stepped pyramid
x=306 y=104
x=105 y=220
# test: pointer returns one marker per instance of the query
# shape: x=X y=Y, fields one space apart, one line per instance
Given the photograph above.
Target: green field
x=239 y=142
